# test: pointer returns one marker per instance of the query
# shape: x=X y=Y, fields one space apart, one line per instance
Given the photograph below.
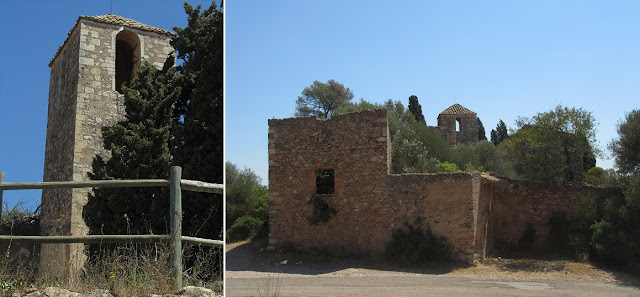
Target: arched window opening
x=127 y=58
x=457 y=124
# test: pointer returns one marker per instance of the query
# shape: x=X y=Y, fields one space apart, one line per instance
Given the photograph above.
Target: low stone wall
x=521 y=205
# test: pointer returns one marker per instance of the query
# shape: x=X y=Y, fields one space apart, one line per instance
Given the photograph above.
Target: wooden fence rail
x=174 y=238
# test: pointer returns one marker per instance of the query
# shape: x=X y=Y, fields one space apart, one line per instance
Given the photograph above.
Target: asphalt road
x=416 y=285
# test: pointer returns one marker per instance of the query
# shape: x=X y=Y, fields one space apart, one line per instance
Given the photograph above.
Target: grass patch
x=124 y=270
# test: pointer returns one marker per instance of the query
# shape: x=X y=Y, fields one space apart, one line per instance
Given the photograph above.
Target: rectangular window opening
x=325 y=181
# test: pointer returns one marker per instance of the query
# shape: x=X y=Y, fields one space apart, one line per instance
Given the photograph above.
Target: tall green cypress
x=139 y=147
x=416 y=109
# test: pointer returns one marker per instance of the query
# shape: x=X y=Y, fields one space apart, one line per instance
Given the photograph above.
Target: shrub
x=447 y=167
x=245 y=227
x=322 y=212
x=415 y=246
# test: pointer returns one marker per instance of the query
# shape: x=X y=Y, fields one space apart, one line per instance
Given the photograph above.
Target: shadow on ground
x=247 y=256
x=559 y=262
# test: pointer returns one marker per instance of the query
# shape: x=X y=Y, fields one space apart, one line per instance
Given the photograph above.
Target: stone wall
x=477 y=212
x=370 y=202
x=82 y=100
x=467 y=124
x=517 y=204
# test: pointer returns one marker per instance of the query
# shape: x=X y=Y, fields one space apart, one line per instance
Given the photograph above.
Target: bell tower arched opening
x=127 y=57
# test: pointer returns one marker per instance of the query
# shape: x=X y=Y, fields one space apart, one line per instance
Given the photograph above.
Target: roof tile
x=457 y=109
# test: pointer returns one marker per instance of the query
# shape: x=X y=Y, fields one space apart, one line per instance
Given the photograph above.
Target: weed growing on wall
x=412 y=245
x=322 y=212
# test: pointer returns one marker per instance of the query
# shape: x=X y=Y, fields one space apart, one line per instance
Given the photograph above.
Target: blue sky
x=32 y=32
x=501 y=59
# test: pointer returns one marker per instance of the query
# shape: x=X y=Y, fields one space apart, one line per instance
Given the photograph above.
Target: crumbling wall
x=370 y=202
x=519 y=204
x=355 y=147
x=477 y=212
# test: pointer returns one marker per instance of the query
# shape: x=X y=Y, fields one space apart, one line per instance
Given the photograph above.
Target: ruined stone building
x=458 y=124
x=345 y=161
x=87 y=72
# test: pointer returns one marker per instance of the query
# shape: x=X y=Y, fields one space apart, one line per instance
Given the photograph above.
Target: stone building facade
x=99 y=54
x=458 y=124
x=477 y=212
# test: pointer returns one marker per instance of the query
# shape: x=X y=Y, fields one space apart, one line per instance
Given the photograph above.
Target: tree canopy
x=322 y=100
x=247 y=204
x=555 y=145
x=626 y=147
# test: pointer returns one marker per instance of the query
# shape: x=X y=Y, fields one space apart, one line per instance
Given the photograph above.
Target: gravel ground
x=245 y=260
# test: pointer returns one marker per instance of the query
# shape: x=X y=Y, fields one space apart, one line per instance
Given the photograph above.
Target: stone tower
x=98 y=56
x=460 y=123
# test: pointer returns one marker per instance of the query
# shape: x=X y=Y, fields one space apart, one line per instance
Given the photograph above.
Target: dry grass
x=124 y=270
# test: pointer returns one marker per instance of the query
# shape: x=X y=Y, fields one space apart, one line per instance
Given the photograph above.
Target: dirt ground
x=250 y=259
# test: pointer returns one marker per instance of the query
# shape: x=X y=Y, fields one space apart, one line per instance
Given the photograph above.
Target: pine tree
x=139 y=149
x=416 y=109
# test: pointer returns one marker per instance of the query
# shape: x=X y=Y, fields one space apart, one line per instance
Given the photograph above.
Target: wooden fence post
x=175 y=176
x=1 y=181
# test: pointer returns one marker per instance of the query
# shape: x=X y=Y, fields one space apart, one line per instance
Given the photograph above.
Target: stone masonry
x=479 y=213
x=82 y=100
x=467 y=126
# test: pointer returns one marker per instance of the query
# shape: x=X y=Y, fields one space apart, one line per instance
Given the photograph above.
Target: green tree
x=247 y=203
x=482 y=135
x=626 y=147
x=553 y=145
x=199 y=134
x=321 y=99
x=139 y=149
x=500 y=133
x=602 y=177
x=362 y=105
x=416 y=109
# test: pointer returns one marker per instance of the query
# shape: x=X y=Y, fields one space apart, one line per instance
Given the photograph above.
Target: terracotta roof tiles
x=122 y=21
x=457 y=109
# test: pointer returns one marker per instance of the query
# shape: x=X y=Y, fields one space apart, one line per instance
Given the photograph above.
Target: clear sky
x=32 y=31
x=501 y=59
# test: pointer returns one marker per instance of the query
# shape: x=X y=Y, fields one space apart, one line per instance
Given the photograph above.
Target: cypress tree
x=481 y=132
x=500 y=133
x=416 y=109
x=139 y=149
